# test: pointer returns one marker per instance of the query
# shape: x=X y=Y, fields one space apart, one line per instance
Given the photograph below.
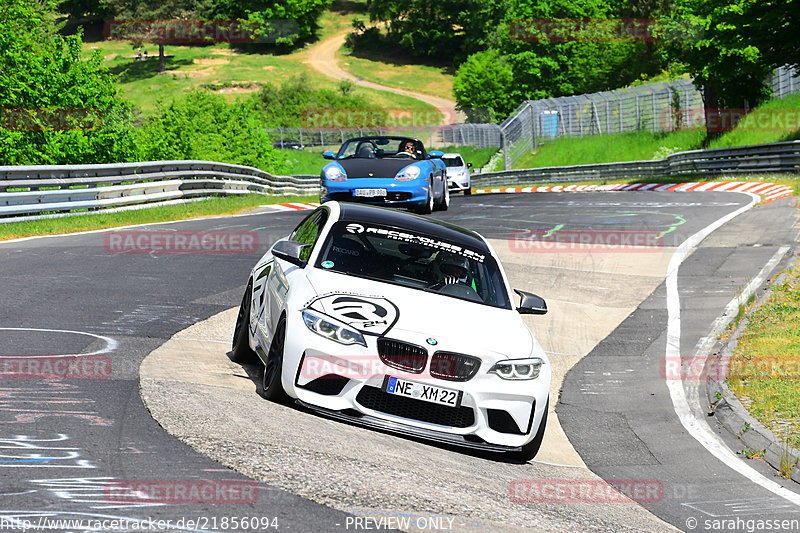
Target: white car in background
x=400 y=323
x=458 y=175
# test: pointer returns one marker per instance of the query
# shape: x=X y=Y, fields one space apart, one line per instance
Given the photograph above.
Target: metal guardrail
x=50 y=191
x=47 y=191
x=755 y=159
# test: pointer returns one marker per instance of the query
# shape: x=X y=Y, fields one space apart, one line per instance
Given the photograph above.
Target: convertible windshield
x=416 y=261
x=381 y=147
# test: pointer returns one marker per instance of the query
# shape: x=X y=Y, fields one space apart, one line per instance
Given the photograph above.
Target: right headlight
x=332 y=329
x=334 y=173
x=518 y=369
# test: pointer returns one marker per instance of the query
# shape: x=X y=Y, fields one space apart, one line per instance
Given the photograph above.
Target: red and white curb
x=298 y=206
x=767 y=191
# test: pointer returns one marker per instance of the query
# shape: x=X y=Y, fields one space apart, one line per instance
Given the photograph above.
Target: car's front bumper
x=398 y=193
x=458 y=183
x=345 y=382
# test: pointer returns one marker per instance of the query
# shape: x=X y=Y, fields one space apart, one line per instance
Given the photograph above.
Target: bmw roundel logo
x=432 y=341
x=355 y=228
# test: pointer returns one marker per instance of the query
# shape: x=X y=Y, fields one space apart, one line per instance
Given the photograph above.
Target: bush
x=201 y=125
x=54 y=107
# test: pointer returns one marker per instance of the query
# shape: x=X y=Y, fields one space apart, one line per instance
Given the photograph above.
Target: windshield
x=381 y=147
x=453 y=161
x=419 y=262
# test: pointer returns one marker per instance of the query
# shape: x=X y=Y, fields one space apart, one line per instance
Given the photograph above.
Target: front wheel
x=468 y=190
x=240 y=350
x=272 y=387
x=445 y=203
x=427 y=207
x=530 y=450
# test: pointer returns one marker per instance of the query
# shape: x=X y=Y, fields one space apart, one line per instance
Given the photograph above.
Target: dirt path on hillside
x=322 y=58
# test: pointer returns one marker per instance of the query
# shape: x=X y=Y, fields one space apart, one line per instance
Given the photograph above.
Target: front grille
x=443 y=415
x=398 y=196
x=341 y=196
x=454 y=366
x=402 y=355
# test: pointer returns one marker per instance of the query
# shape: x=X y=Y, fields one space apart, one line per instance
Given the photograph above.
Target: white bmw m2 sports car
x=400 y=323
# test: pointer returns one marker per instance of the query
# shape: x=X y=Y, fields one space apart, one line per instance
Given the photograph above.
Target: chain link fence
x=785 y=81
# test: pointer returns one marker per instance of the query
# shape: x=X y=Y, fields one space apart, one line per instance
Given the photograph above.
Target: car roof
x=451 y=154
x=351 y=212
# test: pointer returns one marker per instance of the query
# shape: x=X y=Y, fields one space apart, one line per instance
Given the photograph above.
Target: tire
x=445 y=203
x=468 y=191
x=530 y=450
x=427 y=208
x=240 y=350
x=272 y=387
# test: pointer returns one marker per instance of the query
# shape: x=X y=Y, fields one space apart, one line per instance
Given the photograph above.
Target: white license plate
x=369 y=193
x=419 y=391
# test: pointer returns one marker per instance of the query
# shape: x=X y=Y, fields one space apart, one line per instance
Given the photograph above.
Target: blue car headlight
x=518 y=369
x=332 y=329
x=408 y=174
x=335 y=173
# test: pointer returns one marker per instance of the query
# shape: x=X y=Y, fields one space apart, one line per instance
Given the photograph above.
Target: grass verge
x=221 y=205
x=767 y=360
x=640 y=145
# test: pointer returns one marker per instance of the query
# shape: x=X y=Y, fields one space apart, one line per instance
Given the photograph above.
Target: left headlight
x=332 y=329
x=518 y=369
x=408 y=174
x=335 y=173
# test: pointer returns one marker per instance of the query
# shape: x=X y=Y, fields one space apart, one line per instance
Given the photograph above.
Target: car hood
x=417 y=316
x=380 y=168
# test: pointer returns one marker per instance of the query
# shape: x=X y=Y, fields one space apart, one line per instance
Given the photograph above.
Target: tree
x=483 y=86
x=271 y=16
x=446 y=30
x=741 y=42
x=55 y=107
x=133 y=17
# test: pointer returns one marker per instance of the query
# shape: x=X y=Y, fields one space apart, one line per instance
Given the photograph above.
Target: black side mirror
x=290 y=251
x=530 y=304
x=469 y=165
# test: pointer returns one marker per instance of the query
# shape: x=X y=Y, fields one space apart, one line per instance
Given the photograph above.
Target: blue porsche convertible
x=385 y=170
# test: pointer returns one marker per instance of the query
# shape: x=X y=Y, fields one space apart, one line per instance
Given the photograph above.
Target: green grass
x=222 y=205
x=641 y=145
x=398 y=70
x=759 y=128
x=765 y=367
